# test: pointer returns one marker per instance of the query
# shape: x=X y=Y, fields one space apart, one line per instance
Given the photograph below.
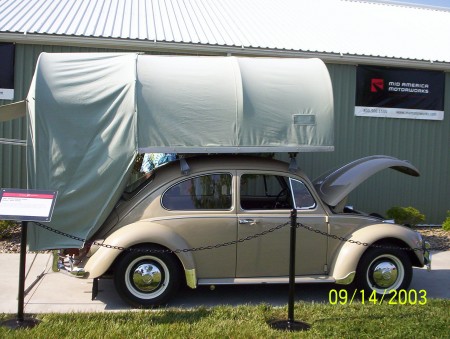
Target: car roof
x=199 y=164
x=225 y=162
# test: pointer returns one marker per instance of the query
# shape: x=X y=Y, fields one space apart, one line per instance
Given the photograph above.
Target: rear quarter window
x=205 y=192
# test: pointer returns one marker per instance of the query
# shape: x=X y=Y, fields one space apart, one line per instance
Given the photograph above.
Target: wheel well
x=144 y=245
x=401 y=244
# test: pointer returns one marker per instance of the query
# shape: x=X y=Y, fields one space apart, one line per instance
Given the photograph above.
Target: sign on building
x=399 y=93
x=6 y=71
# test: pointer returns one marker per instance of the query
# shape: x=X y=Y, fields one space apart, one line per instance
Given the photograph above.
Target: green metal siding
x=424 y=143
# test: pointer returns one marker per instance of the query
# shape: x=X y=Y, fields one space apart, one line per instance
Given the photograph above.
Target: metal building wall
x=425 y=143
x=12 y=157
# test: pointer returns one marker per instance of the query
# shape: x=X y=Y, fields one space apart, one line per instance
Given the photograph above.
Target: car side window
x=302 y=197
x=264 y=192
x=204 y=192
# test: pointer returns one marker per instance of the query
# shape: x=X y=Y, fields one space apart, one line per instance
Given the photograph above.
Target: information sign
x=27 y=205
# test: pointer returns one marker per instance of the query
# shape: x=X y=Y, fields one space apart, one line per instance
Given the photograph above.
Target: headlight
x=419 y=240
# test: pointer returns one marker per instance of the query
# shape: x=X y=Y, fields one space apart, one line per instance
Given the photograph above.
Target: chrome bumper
x=66 y=265
x=427 y=255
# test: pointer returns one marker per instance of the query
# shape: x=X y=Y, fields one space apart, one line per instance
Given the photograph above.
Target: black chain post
x=22 y=266
x=290 y=324
x=292 y=249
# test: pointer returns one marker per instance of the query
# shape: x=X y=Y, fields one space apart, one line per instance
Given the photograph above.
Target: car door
x=203 y=215
x=264 y=202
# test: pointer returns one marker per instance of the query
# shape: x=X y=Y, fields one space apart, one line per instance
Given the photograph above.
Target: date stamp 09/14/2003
x=390 y=297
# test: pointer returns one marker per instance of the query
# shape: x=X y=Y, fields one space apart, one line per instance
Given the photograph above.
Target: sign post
x=24 y=206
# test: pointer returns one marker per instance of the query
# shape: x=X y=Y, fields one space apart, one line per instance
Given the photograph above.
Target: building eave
x=208 y=49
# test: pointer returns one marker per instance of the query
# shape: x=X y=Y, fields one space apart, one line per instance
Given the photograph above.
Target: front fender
x=346 y=261
x=141 y=232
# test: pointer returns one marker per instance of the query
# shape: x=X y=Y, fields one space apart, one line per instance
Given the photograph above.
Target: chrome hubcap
x=147 y=277
x=385 y=274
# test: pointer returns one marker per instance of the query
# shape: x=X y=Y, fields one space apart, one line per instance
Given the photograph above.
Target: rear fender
x=346 y=262
x=137 y=234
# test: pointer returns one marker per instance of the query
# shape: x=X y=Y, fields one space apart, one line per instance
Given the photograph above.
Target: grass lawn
x=327 y=321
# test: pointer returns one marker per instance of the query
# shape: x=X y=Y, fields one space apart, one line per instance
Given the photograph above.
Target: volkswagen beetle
x=213 y=220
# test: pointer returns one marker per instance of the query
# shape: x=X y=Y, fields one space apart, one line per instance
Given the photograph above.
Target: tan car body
x=143 y=220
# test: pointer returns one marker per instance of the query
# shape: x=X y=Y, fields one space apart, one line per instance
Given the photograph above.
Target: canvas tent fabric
x=89 y=114
x=245 y=104
x=81 y=142
x=12 y=111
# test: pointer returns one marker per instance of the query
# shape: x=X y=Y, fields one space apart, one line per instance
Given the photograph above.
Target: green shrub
x=5 y=226
x=446 y=223
x=408 y=216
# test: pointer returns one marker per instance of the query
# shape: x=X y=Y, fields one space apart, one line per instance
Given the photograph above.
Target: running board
x=267 y=280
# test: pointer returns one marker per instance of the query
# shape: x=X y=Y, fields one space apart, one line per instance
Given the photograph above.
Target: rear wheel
x=147 y=279
x=383 y=270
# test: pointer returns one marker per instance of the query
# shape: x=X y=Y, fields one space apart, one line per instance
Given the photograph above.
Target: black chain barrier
x=194 y=249
x=234 y=242
x=440 y=248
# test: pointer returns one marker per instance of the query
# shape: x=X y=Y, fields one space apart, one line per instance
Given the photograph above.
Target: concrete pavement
x=60 y=293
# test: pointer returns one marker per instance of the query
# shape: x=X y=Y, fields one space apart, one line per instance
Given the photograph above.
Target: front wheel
x=146 y=279
x=384 y=270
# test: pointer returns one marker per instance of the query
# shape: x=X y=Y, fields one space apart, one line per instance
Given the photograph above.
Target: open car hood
x=335 y=185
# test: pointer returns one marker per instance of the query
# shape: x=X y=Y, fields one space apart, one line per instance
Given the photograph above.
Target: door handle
x=247 y=222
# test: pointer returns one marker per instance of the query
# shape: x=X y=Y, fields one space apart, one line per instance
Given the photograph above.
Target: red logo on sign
x=376 y=85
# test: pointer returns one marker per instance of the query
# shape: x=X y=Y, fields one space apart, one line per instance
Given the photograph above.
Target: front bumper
x=427 y=255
